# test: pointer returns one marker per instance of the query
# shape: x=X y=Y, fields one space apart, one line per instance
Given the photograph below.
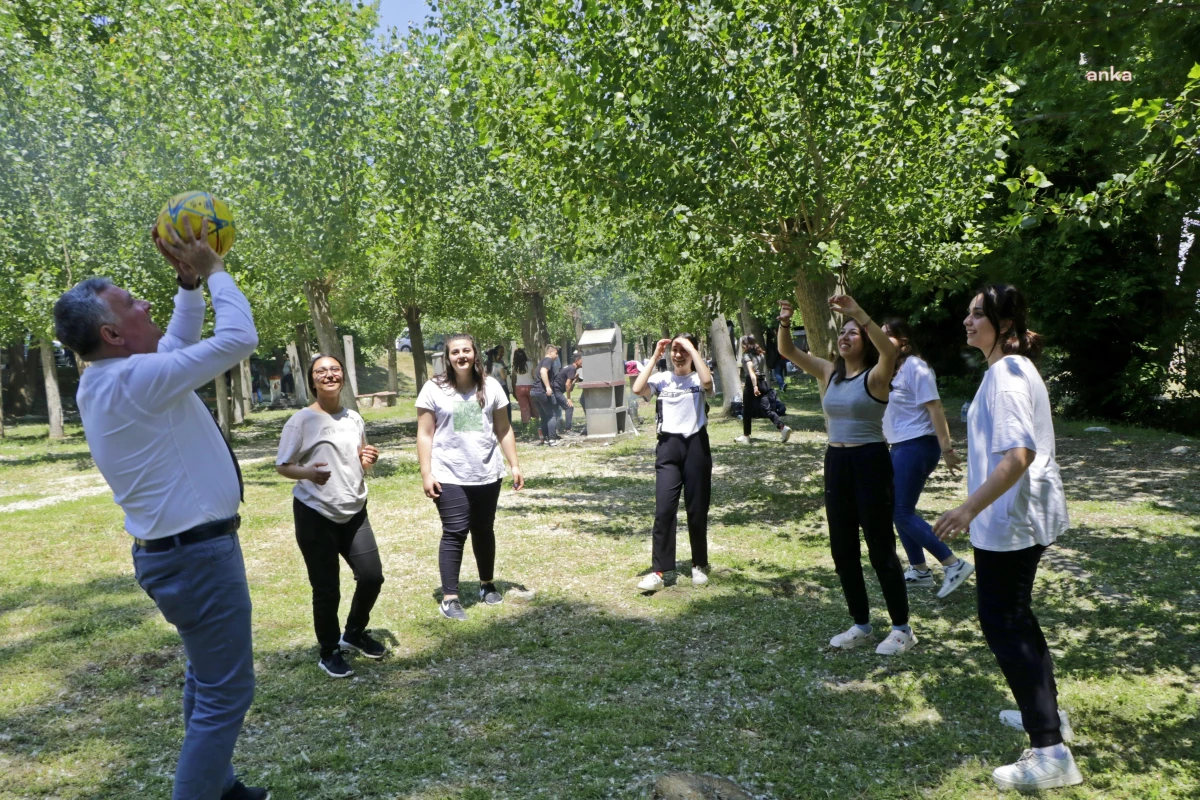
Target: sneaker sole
x=852 y=644
x=946 y=591
x=452 y=619
x=929 y=582
x=360 y=651
x=490 y=603
x=1070 y=779
x=331 y=674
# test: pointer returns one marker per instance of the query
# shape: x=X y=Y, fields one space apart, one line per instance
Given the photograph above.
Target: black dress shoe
x=240 y=791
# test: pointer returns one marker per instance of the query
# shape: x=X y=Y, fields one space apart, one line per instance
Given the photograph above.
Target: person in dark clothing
x=756 y=393
x=563 y=385
x=543 y=396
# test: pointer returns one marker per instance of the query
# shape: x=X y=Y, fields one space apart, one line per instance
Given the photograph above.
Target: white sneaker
x=785 y=433
x=914 y=578
x=850 y=639
x=897 y=642
x=742 y=440
x=698 y=577
x=651 y=583
x=1012 y=719
x=1036 y=770
x=955 y=575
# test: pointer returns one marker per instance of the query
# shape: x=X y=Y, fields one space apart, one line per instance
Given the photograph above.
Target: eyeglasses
x=323 y=371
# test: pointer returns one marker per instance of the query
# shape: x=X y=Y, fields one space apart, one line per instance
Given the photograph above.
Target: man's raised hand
x=187 y=249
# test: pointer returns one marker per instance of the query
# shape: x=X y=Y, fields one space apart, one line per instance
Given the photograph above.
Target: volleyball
x=192 y=208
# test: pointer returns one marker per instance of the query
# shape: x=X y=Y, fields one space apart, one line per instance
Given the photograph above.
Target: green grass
x=590 y=689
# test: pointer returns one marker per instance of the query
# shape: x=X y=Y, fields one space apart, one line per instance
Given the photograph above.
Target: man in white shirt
x=177 y=481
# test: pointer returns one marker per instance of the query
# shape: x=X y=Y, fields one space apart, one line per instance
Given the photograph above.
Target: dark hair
x=750 y=345
x=520 y=361
x=312 y=384
x=446 y=379
x=900 y=329
x=870 y=354
x=695 y=343
x=79 y=314
x=1003 y=301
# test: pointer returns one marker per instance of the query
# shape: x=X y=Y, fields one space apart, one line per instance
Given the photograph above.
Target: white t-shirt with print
x=311 y=437
x=1012 y=409
x=465 y=449
x=906 y=416
x=682 y=401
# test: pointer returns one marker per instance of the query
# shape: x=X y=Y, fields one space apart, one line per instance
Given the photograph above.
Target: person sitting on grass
x=324 y=449
x=460 y=438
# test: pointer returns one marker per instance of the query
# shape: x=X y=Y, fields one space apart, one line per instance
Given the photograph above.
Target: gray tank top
x=852 y=415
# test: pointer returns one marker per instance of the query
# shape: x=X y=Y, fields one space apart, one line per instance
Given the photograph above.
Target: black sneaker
x=363 y=643
x=240 y=791
x=452 y=609
x=488 y=593
x=335 y=665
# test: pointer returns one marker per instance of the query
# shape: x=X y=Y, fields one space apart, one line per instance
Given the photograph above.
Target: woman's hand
x=952 y=460
x=433 y=489
x=757 y=391
x=368 y=455
x=786 y=310
x=661 y=347
x=317 y=475
x=844 y=304
x=518 y=478
x=952 y=523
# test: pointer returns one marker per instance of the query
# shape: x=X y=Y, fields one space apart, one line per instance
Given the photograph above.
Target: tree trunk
x=412 y=315
x=1 y=404
x=222 y=383
x=393 y=384
x=235 y=398
x=725 y=362
x=19 y=398
x=750 y=325
x=577 y=318
x=303 y=348
x=247 y=389
x=813 y=290
x=534 y=330
x=53 y=399
x=317 y=292
x=351 y=367
x=300 y=378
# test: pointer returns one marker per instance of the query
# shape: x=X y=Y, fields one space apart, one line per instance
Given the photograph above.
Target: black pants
x=681 y=463
x=547 y=416
x=467 y=509
x=321 y=541
x=560 y=400
x=1004 y=585
x=757 y=406
x=859 y=492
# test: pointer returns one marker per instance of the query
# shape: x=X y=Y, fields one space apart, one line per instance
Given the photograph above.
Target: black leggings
x=859 y=492
x=681 y=463
x=321 y=541
x=467 y=509
x=1004 y=586
x=757 y=406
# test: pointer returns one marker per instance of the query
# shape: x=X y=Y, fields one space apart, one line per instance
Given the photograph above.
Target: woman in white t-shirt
x=1015 y=509
x=916 y=428
x=683 y=459
x=460 y=438
x=324 y=449
x=523 y=375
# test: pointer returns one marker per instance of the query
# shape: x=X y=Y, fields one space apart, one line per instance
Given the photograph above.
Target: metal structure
x=603 y=384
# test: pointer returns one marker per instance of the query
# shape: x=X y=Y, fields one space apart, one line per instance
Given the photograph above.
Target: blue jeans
x=201 y=589
x=913 y=461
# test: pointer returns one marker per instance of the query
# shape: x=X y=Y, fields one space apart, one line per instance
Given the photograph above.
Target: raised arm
x=640 y=383
x=186 y=322
x=816 y=366
x=702 y=370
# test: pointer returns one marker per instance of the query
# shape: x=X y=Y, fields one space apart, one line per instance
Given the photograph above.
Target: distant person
x=523 y=375
x=858 y=468
x=916 y=428
x=776 y=364
x=543 y=395
x=682 y=457
x=1015 y=509
x=178 y=483
x=757 y=396
x=563 y=386
x=324 y=449
x=496 y=368
x=287 y=384
x=460 y=442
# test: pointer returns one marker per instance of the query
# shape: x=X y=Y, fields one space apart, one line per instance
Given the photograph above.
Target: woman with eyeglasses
x=324 y=449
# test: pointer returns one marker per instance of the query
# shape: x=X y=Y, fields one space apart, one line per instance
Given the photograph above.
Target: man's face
x=134 y=331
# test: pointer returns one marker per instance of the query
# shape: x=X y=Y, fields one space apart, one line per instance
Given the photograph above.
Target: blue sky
x=398 y=13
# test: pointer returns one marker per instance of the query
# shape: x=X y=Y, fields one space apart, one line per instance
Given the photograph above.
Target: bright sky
x=398 y=13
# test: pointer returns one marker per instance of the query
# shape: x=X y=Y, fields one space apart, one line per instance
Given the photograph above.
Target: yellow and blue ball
x=193 y=207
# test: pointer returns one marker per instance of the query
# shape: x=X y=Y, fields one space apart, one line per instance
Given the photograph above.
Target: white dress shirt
x=149 y=432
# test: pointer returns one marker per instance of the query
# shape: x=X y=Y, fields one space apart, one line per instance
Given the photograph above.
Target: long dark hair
x=695 y=343
x=520 y=361
x=750 y=345
x=870 y=354
x=901 y=330
x=446 y=379
x=312 y=384
x=1003 y=301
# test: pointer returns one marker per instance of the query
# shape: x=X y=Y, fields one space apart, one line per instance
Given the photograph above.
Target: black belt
x=200 y=533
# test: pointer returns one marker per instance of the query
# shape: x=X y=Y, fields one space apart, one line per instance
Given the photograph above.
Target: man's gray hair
x=80 y=312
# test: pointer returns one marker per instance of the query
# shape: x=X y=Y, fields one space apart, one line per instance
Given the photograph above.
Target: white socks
x=1054 y=751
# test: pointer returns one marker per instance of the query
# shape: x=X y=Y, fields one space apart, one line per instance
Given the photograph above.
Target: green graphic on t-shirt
x=468 y=416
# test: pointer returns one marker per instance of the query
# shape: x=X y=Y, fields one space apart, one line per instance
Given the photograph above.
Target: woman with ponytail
x=756 y=392
x=1015 y=509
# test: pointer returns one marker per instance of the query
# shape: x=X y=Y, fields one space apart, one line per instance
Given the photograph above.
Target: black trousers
x=560 y=400
x=859 y=493
x=681 y=463
x=547 y=416
x=467 y=510
x=321 y=541
x=1004 y=585
x=757 y=406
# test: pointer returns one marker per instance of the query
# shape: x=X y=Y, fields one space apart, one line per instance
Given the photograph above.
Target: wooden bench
x=378 y=399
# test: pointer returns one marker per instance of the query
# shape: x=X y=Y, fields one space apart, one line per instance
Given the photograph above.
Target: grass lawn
x=588 y=688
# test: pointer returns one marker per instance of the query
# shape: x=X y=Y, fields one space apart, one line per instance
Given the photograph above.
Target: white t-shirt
x=526 y=378
x=682 y=401
x=465 y=449
x=1012 y=409
x=906 y=416
x=311 y=437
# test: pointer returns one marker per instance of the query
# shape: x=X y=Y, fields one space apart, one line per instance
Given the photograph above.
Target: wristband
x=783 y=324
x=193 y=287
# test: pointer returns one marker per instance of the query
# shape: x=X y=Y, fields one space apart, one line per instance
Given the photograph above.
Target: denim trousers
x=201 y=589
x=913 y=461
